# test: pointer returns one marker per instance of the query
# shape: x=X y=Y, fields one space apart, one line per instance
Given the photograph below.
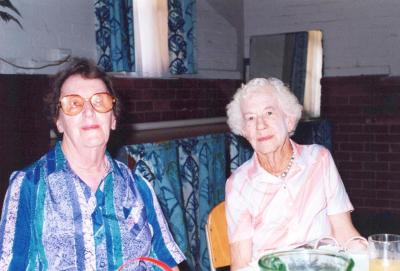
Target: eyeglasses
x=101 y=102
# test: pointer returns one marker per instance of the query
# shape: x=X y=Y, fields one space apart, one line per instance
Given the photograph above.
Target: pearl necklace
x=286 y=171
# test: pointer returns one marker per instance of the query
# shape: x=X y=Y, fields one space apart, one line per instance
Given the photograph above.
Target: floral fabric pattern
x=114 y=35
x=188 y=176
x=181 y=14
x=53 y=221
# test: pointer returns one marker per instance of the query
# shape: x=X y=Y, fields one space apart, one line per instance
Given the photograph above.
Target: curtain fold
x=181 y=21
x=114 y=35
x=188 y=176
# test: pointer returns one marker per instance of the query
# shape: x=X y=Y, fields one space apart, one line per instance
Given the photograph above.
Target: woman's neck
x=90 y=164
x=279 y=161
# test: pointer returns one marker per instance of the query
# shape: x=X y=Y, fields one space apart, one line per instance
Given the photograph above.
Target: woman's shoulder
x=311 y=149
x=243 y=172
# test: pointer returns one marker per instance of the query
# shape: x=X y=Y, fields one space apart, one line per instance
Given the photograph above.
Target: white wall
x=48 y=25
x=219 y=38
x=69 y=24
x=359 y=36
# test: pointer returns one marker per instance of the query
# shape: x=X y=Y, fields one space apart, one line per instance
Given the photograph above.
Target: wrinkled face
x=88 y=128
x=266 y=126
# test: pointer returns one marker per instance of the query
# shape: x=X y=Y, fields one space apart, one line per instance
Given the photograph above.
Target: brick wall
x=149 y=100
x=365 y=114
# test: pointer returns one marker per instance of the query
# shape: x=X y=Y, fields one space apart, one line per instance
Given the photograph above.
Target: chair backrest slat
x=217 y=237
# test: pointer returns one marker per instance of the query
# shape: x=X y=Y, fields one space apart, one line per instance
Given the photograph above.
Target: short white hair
x=287 y=102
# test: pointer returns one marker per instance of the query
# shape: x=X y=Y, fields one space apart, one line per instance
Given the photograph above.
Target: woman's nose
x=260 y=123
x=88 y=109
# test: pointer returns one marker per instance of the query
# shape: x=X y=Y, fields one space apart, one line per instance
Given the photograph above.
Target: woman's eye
x=269 y=113
x=75 y=103
x=250 y=118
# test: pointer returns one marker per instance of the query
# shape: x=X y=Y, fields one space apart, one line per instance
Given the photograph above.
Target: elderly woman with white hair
x=287 y=195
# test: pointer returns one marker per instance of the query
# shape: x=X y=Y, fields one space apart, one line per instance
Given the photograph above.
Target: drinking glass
x=384 y=252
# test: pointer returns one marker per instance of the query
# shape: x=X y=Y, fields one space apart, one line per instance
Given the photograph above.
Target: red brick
x=175 y=83
x=380 y=129
x=341 y=156
x=346 y=165
x=143 y=83
x=177 y=105
x=190 y=83
x=395 y=129
x=169 y=94
x=338 y=137
x=150 y=94
x=395 y=147
x=394 y=166
x=377 y=147
x=351 y=128
x=378 y=203
x=163 y=105
x=376 y=166
x=360 y=100
x=394 y=185
x=170 y=115
x=183 y=93
x=362 y=156
x=387 y=138
x=351 y=147
x=395 y=204
x=354 y=184
x=357 y=202
x=390 y=194
x=341 y=100
x=363 y=193
x=361 y=137
x=159 y=83
x=393 y=176
x=152 y=116
x=144 y=106
x=363 y=175
x=391 y=157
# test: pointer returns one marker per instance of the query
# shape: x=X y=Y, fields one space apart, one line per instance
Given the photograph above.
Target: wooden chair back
x=217 y=237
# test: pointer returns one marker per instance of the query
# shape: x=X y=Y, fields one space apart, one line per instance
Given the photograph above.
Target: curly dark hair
x=87 y=69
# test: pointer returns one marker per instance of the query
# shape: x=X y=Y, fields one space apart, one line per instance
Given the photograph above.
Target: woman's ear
x=113 y=122
x=290 y=122
x=59 y=126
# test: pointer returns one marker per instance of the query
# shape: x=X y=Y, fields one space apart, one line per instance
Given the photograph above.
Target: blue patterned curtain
x=239 y=150
x=189 y=177
x=181 y=14
x=114 y=35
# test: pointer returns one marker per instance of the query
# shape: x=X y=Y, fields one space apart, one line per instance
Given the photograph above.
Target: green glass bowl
x=305 y=260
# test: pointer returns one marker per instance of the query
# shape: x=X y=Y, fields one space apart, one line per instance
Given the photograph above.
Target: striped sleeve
x=163 y=244
x=15 y=230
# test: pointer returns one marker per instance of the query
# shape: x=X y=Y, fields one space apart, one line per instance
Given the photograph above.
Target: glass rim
x=315 y=252
x=385 y=239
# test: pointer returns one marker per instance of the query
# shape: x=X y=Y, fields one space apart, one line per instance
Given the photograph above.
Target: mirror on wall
x=295 y=58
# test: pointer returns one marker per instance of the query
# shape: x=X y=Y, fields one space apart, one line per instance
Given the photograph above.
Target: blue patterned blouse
x=51 y=220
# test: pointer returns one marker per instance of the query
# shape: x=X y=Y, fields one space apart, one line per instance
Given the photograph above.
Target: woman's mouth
x=265 y=138
x=90 y=127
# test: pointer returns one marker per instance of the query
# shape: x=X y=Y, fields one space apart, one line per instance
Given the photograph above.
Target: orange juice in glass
x=384 y=252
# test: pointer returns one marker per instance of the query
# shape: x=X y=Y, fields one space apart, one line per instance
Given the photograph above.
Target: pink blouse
x=278 y=213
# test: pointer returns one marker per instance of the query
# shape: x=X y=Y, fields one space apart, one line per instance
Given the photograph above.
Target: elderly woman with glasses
x=287 y=195
x=76 y=208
